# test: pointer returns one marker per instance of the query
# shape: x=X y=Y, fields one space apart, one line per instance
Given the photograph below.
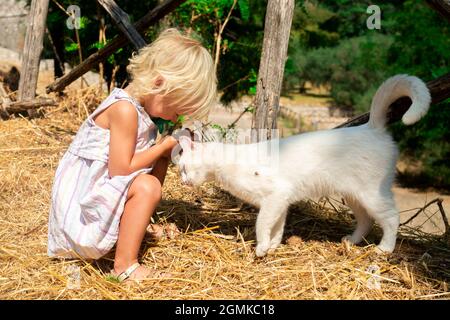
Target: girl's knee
x=147 y=186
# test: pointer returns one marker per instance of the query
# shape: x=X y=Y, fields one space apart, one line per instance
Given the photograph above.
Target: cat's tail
x=396 y=87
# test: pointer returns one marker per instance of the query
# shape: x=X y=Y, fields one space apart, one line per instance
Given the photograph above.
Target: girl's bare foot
x=141 y=273
x=157 y=231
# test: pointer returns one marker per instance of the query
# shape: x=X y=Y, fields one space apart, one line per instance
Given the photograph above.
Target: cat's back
x=337 y=138
x=337 y=147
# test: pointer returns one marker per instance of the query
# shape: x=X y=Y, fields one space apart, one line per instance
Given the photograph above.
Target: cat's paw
x=275 y=244
x=262 y=249
x=384 y=249
x=349 y=238
x=352 y=239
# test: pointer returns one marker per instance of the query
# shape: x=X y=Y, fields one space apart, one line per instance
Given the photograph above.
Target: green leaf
x=253 y=76
x=112 y=278
x=167 y=125
x=244 y=8
x=250 y=109
x=83 y=22
x=217 y=126
x=98 y=45
x=71 y=47
x=162 y=124
x=181 y=119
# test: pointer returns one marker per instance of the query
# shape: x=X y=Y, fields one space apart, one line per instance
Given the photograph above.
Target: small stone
x=294 y=241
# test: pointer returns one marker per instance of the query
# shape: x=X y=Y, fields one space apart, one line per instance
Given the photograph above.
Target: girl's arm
x=123 y=126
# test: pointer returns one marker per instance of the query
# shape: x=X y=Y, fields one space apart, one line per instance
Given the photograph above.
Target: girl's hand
x=168 y=143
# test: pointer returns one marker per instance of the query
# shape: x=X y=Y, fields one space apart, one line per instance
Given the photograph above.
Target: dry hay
x=214 y=257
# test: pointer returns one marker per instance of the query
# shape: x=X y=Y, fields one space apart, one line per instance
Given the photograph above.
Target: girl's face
x=157 y=107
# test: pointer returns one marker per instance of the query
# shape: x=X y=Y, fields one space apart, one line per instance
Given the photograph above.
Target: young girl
x=109 y=181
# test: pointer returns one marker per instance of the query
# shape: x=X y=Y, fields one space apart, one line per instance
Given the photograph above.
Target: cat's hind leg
x=364 y=222
x=381 y=208
x=272 y=209
x=389 y=222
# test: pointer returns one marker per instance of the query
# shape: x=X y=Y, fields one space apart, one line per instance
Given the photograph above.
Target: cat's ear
x=185 y=143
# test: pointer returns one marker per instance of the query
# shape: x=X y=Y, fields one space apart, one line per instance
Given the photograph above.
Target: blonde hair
x=186 y=68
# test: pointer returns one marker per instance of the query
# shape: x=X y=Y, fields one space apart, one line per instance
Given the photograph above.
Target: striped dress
x=86 y=202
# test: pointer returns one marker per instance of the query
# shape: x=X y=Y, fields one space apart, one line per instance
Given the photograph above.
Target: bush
x=428 y=143
x=353 y=69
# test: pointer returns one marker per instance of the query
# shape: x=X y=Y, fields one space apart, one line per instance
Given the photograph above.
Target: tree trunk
x=270 y=77
x=32 y=50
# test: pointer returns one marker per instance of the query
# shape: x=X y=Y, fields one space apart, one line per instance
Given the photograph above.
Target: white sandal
x=127 y=273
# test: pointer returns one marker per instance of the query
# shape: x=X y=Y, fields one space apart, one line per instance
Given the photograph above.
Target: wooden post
x=270 y=77
x=32 y=50
x=6 y=101
x=122 y=20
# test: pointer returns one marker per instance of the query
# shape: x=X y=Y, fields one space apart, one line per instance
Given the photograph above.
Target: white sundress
x=86 y=202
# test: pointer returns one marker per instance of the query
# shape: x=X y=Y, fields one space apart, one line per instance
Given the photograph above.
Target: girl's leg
x=143 y=197
x=160 y=169
x=156 y=231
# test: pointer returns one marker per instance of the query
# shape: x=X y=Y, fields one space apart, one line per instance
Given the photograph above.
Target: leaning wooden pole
x=122 y=21
x=32 y=50
x=441 y=6
x=277 y=27
x=149 y=19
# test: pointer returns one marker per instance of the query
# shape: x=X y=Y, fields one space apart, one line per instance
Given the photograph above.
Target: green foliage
x=241 y=40
x=167 y=126
x=244 y=8
x=428 y=142
x=71 y=47
x=345 y=69
x=422 y=41
x=252 y=79
x=84 y=21
x=422 y=48
x=112 y=278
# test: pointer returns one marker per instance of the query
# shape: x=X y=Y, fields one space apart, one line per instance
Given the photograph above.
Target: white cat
x=357 y=163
